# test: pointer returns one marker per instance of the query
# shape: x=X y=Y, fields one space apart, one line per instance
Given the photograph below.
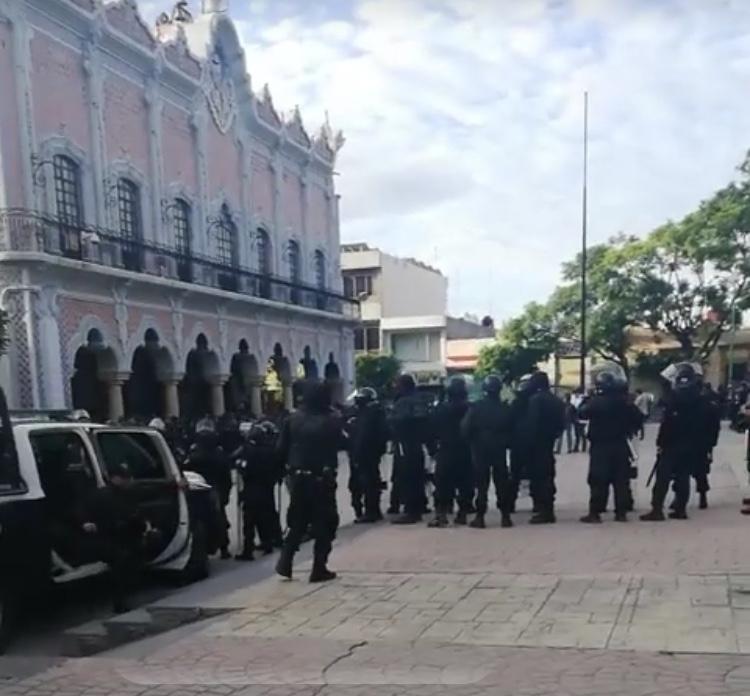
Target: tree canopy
x=378 y=372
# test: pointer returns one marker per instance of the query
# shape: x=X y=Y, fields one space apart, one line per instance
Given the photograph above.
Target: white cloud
x=463 y=121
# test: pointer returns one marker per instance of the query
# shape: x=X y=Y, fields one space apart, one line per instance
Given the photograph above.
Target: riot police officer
x=541 y=425
x=368 y=438
x=683 y=441
x=519 y=447
x=208 y=458
x=309 y=444
x=613 y=420
x=453 y=475
x=409 y=426
x=260 y=470
x=487 y=426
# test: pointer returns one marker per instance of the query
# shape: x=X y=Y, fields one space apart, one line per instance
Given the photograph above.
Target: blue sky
x=463 y=121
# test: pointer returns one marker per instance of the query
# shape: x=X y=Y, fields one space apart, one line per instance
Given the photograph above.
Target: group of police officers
x=471 y=444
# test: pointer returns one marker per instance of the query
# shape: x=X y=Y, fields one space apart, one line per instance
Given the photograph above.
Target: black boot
x=592 y=518
x=460 y=519
x=678 y=515
x=703 y=501
x=506 y=522
x=320 y=572
x=655 y=515
x=478 y=522
x=247 y=553
x=440 y=521
x=284 y=564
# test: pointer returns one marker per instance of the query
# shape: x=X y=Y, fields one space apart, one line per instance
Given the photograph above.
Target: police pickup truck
x=50 y=468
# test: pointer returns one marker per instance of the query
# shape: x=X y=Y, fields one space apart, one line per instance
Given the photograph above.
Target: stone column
x=172 y=398
x=286 y=388
x=114 y=397
x=217 y=396
x=256 y=402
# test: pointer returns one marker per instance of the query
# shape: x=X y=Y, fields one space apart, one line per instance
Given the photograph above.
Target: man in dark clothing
x=453 y=475
x=702 y=465
x=613 y=420
x=261 y=472
x=540 y=427
x=117 y=534
x=686 y=436
x=519 y=447
x=368 y=438
x=409 y=426
x=571 y=419
x=487 y=426
x=208 y=458
x=309 y=444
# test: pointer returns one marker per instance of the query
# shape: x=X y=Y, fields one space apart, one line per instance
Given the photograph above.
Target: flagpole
x=584 y=234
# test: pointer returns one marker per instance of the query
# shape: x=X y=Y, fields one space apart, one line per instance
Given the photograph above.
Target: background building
x=165 y=234
x=403 y=305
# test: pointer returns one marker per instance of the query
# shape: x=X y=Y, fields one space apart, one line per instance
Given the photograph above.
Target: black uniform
x=453 y=474
x=488 y=427
x=409 y=426
x=519 y=447
x=702 y=466
x=208 y=458
x=686 y=436
x=612 y=422
x=261 y=472
x=540 y=427
x=309 y=444
x=368 y=439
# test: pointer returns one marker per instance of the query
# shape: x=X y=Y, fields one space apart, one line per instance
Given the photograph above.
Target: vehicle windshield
x=135 y=455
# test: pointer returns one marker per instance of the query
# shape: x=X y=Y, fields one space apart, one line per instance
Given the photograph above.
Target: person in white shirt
x=644 y=402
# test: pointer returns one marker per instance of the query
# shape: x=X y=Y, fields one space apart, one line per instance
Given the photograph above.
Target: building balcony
x=30 y=232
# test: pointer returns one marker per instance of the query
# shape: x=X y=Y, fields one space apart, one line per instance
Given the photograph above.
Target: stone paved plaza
x=636 y=609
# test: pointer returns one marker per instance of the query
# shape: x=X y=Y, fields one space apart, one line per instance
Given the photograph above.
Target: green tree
x=378 y=372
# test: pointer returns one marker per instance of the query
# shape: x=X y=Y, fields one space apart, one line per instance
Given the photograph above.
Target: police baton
x=653 y=472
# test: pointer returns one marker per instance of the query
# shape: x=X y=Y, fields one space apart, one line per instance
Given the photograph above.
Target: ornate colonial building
x=166 y=235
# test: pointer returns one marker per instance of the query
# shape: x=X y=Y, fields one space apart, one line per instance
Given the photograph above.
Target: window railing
x=23 y=230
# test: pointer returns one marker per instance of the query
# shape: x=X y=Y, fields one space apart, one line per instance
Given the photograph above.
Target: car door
x=154 y=483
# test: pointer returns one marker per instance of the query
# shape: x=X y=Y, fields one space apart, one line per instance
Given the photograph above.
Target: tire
x=198 y=566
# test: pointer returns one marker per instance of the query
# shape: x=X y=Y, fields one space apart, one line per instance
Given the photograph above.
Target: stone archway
x=201 y=391
x=148 y=391
x=94 y=367
x=243 y=390
x=277 y=385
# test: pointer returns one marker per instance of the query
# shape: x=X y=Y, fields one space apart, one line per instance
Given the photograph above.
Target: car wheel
x=198 y=565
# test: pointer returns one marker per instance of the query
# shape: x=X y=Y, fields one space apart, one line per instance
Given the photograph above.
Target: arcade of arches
x=154 y=385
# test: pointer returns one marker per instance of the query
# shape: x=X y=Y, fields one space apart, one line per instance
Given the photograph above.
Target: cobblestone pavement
x=622 y=610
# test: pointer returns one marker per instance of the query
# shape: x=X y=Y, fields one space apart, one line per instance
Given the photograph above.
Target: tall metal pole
x=584 y=230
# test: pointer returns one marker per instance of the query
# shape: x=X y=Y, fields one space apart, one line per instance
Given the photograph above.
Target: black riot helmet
x=492 y=385
x=524 y=384
x=610 y=379
x=687 y=378
x=364 y=396
x=456 y=390
x=405 y=385
x=539 y=381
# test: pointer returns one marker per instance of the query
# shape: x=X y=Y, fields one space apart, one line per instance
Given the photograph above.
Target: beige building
x=403 y=306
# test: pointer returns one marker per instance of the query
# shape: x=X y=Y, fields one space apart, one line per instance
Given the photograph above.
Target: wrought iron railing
x=23 y=230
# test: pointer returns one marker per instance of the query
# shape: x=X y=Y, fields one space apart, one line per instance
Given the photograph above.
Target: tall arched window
x=183 y=238
x=293 y=259
x=320 y=279
x=263 y=258
x=226 y=238
x=130 y=223
x=68 y=189
x=68 y=203
x=263 y=252
x=320 y=269
x=292 y=254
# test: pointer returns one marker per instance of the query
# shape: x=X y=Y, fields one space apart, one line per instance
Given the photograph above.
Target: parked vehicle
x=47 y=470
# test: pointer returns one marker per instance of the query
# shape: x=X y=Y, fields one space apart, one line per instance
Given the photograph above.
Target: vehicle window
x=137 y=453
x=10 y=478
x=63 y=462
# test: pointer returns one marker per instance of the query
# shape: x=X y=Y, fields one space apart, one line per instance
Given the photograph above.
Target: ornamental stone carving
x=219 y=90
